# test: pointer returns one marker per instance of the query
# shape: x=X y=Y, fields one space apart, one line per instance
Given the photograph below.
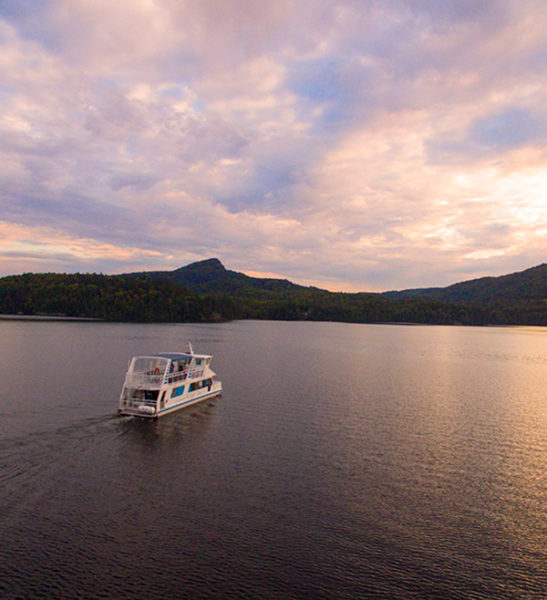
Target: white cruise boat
x=158 y=384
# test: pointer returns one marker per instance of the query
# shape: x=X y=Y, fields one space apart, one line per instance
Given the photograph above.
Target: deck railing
x=155 y=380
x=144 y=379
x=136 y=398
x=178 y=376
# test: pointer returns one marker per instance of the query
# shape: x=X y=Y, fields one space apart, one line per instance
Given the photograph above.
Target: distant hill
x=211 y=277
x=519 y=298
x=110 y=297
x=530 y=284
x=207 y=291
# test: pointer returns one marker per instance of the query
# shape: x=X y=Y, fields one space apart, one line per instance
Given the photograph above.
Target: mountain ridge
x=210 y=276
x=530 y=284
x=208 y=292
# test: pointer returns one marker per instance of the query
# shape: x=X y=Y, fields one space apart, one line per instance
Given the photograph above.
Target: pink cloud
x=373 y=146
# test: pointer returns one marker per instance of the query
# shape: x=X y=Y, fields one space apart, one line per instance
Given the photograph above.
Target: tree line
x=109 y=297
x=118 y=298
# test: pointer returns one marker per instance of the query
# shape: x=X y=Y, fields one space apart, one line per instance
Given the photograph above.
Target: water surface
x=342 y=461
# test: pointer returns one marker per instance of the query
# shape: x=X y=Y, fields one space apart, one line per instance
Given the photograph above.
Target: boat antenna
x=190 y=349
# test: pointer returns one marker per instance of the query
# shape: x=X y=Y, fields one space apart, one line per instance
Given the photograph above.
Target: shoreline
x=46 y=318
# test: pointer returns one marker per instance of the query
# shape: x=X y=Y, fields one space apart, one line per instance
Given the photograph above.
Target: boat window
x=178 y=391
x=198 y=361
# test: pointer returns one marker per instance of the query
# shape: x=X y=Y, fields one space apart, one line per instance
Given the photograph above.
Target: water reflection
x=341 y=461
x=170 y=430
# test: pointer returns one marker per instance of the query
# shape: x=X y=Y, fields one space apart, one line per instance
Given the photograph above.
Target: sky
x=354 y=145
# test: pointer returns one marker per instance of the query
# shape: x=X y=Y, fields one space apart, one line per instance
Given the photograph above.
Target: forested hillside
x=211 y=277
x=145 y=298
x=109 y=297
x=528 y=285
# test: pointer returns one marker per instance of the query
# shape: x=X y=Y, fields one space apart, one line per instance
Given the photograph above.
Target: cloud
x=511 y=128
x=355 y=145
x=491 y=135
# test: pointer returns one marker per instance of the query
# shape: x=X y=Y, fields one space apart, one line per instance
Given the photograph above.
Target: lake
x=342 y=461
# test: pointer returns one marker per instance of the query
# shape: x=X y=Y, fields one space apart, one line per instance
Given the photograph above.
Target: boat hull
x=188 y=402
x=144 y=412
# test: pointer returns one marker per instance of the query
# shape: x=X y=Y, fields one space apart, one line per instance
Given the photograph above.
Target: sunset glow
x=366 y=145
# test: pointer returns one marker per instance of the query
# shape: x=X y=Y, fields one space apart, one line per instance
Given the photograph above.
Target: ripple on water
x=392 y=465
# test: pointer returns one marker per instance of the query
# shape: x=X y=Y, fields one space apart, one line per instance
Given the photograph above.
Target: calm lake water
x=342 y=461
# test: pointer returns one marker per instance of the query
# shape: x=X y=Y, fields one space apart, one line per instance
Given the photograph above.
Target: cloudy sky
x=357 y=145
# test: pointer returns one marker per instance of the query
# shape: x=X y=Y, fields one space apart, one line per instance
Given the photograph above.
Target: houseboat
x=158 y=384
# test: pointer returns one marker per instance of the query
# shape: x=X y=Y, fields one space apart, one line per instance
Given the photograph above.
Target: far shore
x=46 y=318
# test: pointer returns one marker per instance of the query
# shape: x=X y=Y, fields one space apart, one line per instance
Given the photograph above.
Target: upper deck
x=156 y=370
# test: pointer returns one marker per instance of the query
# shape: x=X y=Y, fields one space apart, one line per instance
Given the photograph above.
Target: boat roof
x=180 y=355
